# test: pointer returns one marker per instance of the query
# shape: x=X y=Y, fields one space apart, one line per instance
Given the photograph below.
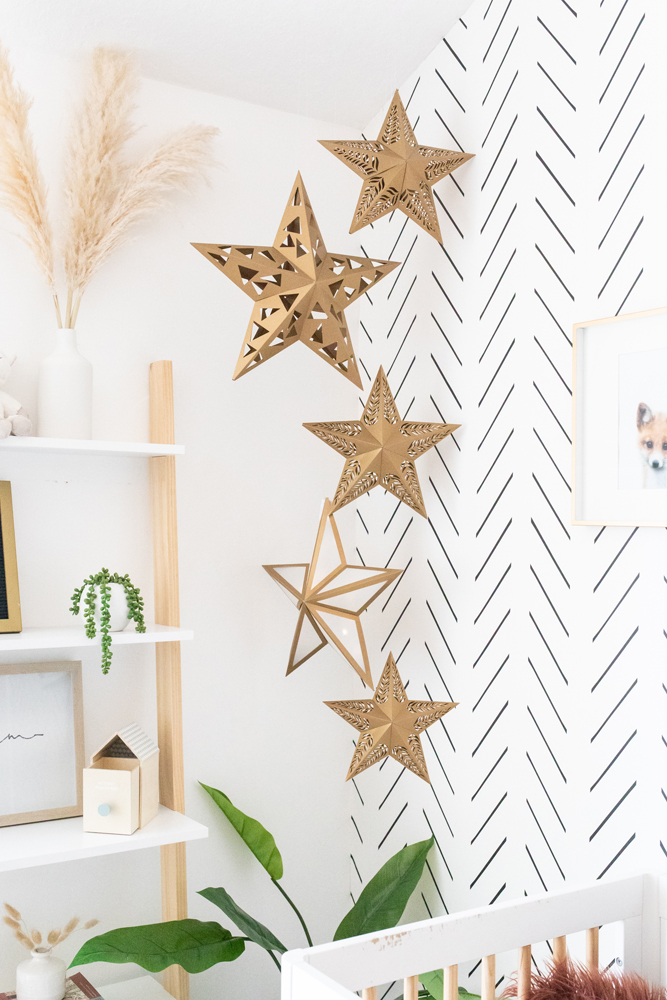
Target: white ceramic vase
x=65 y=391
x=41 y=977
x=117 y=607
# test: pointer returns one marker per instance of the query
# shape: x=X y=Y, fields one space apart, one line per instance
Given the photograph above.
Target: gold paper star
x=390 y=724
x=380 y=449
x=300 y=290
x=397 y=171
x=330 y=595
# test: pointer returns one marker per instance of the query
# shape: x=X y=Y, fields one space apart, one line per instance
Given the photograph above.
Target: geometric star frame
x=380 y=449
x=389 y=724
x=330 y=595
x=398 y=173
x=300 y=290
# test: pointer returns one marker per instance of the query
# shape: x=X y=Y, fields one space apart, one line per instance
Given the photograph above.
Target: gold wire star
x=390 y=724
x=300 y=290
x=397 y=171
x=380 y=449
x=330 y=595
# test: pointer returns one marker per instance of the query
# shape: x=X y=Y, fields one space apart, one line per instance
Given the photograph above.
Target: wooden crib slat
x=523 y=973
x=450 y=983
x=489 y=977
x=369 y=994
x=411 y=988
x=593 y=947
x=560 y=949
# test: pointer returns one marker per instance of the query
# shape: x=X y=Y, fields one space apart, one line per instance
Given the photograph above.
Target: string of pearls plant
x=102 y=580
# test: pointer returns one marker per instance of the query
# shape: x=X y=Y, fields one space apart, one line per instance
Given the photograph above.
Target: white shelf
x=33 y=844
x=67 y=446
x=144 y=988
x=59 y=638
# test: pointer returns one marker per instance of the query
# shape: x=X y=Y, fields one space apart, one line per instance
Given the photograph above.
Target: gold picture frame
x=41 y=741
x=617 y=373
x=10 y=600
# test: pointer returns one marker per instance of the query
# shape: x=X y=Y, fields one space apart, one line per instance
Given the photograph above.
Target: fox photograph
x=642 y=431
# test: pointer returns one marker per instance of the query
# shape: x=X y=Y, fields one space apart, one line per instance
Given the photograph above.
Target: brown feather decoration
x=571 y=981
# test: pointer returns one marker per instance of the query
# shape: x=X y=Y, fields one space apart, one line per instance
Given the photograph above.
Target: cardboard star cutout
x=398 y=173
x=300 y=290
x=380 y=449
x=330 y=595
x=390 y=724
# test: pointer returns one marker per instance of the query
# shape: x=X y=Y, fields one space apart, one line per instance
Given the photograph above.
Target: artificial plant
x=196 y=945
x=135 y=608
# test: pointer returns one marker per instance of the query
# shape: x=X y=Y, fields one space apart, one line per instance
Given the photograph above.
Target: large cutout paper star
x=380 y=449
x=397 y=171
x=300 y=290
x=389 y=724
x=330 y=596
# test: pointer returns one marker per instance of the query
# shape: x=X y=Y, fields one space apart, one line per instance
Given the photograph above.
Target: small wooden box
x=121 y=786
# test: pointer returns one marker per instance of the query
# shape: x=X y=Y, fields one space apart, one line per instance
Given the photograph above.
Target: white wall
x=249 y=492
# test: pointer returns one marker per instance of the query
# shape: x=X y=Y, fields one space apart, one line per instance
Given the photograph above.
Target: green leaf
x=253 y=834
x=382 y=902
x=194 y=945
x=252 y=928
x=433 y=983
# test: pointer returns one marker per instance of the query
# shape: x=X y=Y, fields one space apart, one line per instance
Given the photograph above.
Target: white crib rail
x=335 y=971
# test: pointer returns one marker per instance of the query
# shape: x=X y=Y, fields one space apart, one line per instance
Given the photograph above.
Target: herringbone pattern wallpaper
x=550 y=636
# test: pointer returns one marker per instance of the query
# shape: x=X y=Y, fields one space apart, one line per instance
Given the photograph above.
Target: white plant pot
x=117 y=607
x=41 y=977
x=65 y=391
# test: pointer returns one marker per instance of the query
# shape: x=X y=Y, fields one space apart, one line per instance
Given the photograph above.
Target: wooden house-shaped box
x=122 y=785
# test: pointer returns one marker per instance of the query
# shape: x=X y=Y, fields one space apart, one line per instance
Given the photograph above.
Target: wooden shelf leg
x=168 y=654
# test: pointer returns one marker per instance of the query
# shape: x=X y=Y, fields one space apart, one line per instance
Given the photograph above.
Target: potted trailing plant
x=111 y=603
x=197 y=945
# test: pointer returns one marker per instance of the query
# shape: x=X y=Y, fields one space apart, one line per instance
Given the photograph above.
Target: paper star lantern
x=398 y=173
x=380 y=449
x=300 y=290
x=390 y=724
x=330 y=595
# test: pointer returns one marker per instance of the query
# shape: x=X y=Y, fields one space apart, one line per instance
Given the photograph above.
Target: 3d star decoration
x=398 y=173
x=300 y=290
x=390 y=724
x=330 y=595
x=380 y=449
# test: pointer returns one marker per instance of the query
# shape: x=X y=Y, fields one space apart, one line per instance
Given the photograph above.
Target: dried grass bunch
x=570 y=981
x=104 y=195
x=34 y=939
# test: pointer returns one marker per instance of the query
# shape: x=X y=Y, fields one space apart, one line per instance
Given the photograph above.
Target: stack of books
x=78 y=988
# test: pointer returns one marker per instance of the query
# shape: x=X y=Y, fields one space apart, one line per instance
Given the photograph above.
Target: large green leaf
x=382 y=902
x=252 y=928
x=190 y=943
x=433 y=983
x=253 y=834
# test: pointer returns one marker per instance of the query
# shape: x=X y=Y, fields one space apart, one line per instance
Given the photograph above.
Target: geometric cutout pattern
x=300 y=290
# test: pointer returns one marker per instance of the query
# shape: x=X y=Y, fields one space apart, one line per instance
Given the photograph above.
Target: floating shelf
x=33 y=844
x=59 y=638
x=74 y=446
x=143 y=988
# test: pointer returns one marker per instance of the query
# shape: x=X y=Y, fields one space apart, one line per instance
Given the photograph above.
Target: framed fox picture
x=620 y=420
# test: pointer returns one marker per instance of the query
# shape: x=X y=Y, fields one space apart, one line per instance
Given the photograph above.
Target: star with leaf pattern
x=300 y=290
x=380 y=449
x=390 y=724
x=398 y=173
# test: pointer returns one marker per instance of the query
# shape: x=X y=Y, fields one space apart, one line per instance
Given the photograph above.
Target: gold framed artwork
x=619 y=440
x=41 y=741
x=10 y=602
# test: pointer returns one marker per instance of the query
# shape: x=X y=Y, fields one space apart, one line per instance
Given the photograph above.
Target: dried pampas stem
x=34 y=939
x=22 y=188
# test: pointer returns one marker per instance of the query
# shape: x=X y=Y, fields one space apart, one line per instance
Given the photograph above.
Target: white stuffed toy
x=13 y=418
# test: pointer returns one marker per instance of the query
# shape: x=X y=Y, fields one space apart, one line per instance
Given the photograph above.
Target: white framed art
x=619 y=441
x=41 y=741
